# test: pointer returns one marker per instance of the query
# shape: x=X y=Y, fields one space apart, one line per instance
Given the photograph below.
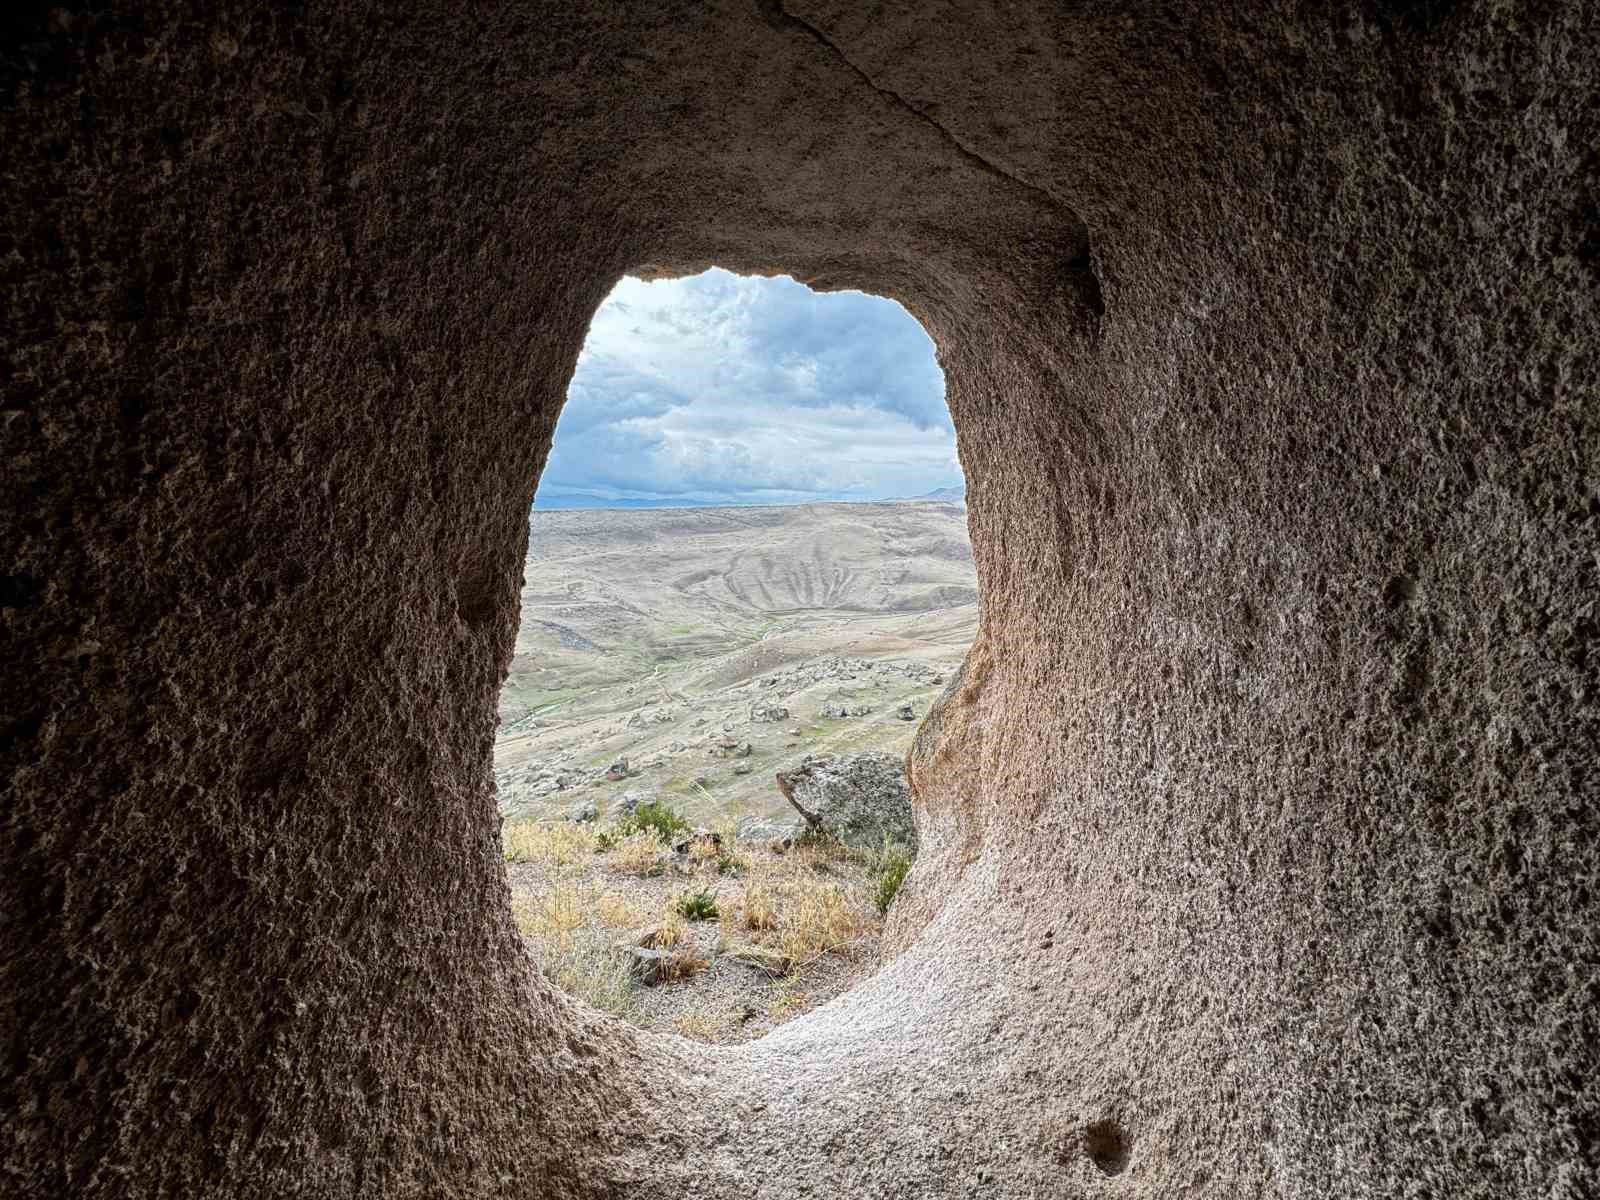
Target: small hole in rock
x=1107 y=1147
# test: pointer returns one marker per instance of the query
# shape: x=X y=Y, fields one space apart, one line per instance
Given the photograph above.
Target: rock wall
x=1259 y=831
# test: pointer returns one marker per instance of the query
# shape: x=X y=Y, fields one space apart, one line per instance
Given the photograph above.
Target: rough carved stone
x=1258 y=832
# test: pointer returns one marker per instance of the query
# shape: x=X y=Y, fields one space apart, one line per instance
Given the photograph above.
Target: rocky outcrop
x=861 y=800
x=1257 y=836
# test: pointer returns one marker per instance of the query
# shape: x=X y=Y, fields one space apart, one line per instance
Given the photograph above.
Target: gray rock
x=650 y=966
x=906 y=713
x=583 y=812
x=618 y=770
x=742 y=767
x=629 y=803
x=769 y=712
x=860 y=799
x=766 y=829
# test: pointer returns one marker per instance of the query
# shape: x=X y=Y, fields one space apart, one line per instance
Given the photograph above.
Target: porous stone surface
x=1258 y=832
x=859 y=799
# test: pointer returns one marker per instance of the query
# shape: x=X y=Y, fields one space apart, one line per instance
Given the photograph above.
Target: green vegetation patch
x=663 y=819
x=697 y=906
x=891 y=871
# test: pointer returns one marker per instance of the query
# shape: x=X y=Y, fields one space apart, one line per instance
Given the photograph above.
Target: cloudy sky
x=726 y=389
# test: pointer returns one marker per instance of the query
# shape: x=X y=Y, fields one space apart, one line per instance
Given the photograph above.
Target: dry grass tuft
x=550 y=843
x=817 y=919
x=574 y=955
x=639 y=853
x=704 y=850
x=589 y=967
x=757 y=903
x=616 y=911
x=702 y=1024
x=687 y=961
x=552 y=915
x=672 y=930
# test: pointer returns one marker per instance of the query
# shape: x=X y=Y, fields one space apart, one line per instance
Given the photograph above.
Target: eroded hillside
x=664 y=635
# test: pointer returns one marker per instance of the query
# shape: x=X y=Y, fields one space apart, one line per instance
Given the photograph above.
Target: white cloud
x=731 y=389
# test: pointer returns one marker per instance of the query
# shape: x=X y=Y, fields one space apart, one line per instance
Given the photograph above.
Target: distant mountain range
x=946 y=495
x=953 y=495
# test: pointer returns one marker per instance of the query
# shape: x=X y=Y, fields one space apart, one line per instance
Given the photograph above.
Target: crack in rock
x=778 y=16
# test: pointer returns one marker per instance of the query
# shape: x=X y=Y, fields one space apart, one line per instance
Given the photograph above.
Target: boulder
x=618 y=770
x=860 y=799
x=584 y=812
x=906 y=713
x=769 y=712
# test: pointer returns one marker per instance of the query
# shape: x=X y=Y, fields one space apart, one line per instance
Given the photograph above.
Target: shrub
x=729 y=863
x=891 y=872
x=653 y=815
x=697 y=906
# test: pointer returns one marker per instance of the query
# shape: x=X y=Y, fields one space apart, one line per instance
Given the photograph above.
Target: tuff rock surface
x=1258 y=833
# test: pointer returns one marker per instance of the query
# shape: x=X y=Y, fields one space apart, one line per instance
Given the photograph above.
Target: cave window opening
x=747 y=553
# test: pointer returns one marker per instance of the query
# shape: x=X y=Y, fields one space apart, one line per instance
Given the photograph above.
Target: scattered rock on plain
x=860 y=799
x=650 y=966
x=629 y=803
